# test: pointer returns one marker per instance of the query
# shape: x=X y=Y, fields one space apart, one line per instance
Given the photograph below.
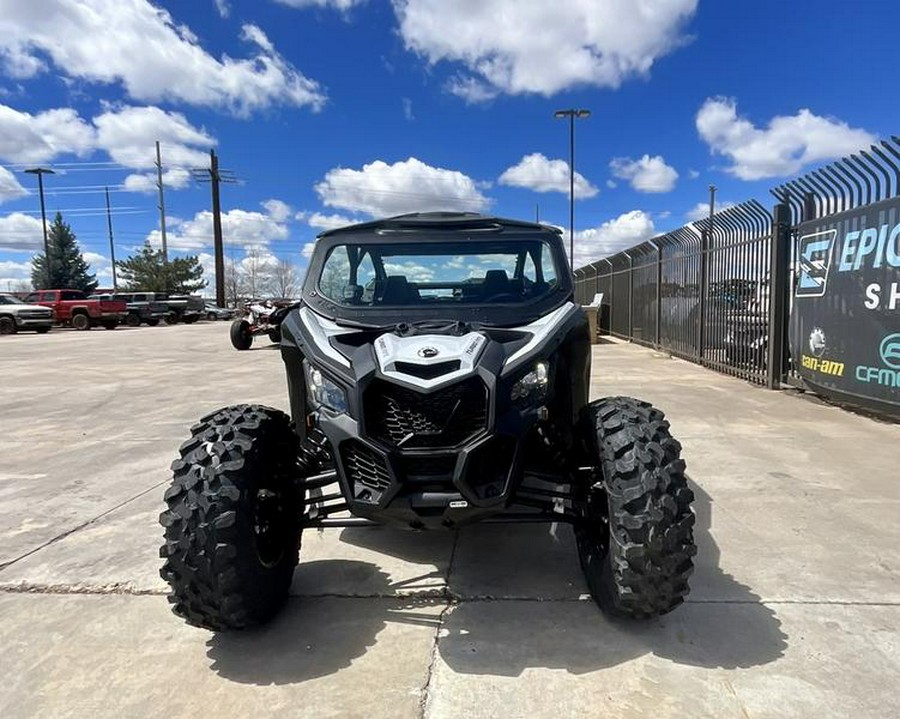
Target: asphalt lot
x=794 y=612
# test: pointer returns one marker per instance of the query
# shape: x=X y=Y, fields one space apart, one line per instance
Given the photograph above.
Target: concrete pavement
x=794 y=611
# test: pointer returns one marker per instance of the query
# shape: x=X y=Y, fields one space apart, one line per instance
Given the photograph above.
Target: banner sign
x=845 y=315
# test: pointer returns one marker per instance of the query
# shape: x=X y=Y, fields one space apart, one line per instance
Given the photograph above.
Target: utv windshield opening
x=438 y=274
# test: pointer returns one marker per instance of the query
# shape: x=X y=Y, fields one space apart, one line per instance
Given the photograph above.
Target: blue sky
x=329 y=111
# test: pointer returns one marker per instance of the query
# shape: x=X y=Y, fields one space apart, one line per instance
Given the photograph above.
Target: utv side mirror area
x=352 y=294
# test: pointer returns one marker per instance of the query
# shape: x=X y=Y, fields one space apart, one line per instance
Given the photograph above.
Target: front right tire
x=241 y=336
x=635 y=540
x=232 y=523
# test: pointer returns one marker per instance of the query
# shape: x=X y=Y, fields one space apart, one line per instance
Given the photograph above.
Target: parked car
x=141 y=307
x=72 y=307
x=184 y=308
x=214 y=312
x=16 y=315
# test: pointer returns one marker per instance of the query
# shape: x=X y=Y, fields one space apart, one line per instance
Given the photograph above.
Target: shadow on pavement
x=316 y=636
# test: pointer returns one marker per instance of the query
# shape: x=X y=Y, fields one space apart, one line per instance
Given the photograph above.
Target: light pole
x=572 y=113
x=40 y=172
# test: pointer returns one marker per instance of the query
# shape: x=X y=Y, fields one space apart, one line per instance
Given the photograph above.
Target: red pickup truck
x=71 y=307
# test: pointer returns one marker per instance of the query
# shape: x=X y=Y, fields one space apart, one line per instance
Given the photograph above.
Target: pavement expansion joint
x=81 y=526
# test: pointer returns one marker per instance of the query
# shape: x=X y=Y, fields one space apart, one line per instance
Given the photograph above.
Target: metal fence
x=719 y=291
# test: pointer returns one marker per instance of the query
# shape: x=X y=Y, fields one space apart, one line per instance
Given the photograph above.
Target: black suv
x=438 y=372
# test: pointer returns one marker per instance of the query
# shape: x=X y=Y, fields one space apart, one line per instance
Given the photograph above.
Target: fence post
x=779 y=289
x=704 y=288
x=658 y=294
x=630 y=296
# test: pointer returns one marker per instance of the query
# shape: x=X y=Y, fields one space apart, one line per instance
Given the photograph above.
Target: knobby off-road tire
x=636 y=542
x=275 y=335
x=232 y=532
x=241 y=336
x=153 y=322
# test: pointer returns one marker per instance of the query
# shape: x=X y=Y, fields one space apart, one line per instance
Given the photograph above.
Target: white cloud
x=223 y=8
x=534 y=46
x=342 y=5
x=126 y=134
x=278 y=210
x=612 y=184
x=41 y=137
x=10 y=189
x=319 y=221
x=15 y=270
x=382 y=190
x=129 y=134
x=783 y=148
x=142 y=47
x=407 y=109
x=647 y=174
x=240 y=228
x=700 y=211
x=175 y=179
x=540 y=174
x=617 y=234
x=19 y=231
x=693 y=174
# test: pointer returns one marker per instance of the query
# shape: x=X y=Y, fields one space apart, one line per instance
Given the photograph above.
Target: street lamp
x=40 y=172
x=572 y=114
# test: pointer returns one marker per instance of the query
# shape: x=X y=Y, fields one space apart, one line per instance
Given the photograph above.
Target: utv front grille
x=366 y=471
x=416 y=420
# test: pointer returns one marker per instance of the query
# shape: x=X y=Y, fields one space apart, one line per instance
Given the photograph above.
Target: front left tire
x=232 y=523
x=635 y=540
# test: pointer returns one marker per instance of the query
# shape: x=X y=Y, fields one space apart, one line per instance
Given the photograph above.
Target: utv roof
x=445 y=221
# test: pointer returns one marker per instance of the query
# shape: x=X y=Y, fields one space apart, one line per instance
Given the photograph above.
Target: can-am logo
x=428 y=352
x=889 y=375
x=817 y=341
x=815 y=261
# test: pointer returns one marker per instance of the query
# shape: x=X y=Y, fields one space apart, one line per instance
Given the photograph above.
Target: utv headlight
x=532 y=386
x=322 y=391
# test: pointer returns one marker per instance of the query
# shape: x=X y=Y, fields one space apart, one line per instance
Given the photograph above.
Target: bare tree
x=234 y=282
x=285 y=279
x=257 y=272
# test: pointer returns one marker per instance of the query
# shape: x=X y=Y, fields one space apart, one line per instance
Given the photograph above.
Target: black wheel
x=636 y=540
x=190 y=320
x=81 y=322
x=110 y=324
x=211 y=316
x=241 y=336
x=232 y=525
x=153 y=321
x=275 y=334
x=171 y=318
x=8 y=326
x=42 y=330
x=133 y=320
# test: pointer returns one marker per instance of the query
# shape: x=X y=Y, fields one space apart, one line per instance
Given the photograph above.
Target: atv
x=260 y=318
x=438 y=372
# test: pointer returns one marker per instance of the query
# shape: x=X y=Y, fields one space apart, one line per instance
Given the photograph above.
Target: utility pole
x=112 y=246
x=162 y=209
x=214 y=176
x=40 y=172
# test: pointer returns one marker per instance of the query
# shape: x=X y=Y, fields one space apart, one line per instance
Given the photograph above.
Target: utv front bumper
x=428 y=459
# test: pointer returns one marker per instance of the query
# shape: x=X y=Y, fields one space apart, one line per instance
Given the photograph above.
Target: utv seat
x=495 y=283
x=397 y=291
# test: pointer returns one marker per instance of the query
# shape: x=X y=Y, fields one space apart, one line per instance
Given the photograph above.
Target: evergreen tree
x=147 y=271
x=67 y=268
